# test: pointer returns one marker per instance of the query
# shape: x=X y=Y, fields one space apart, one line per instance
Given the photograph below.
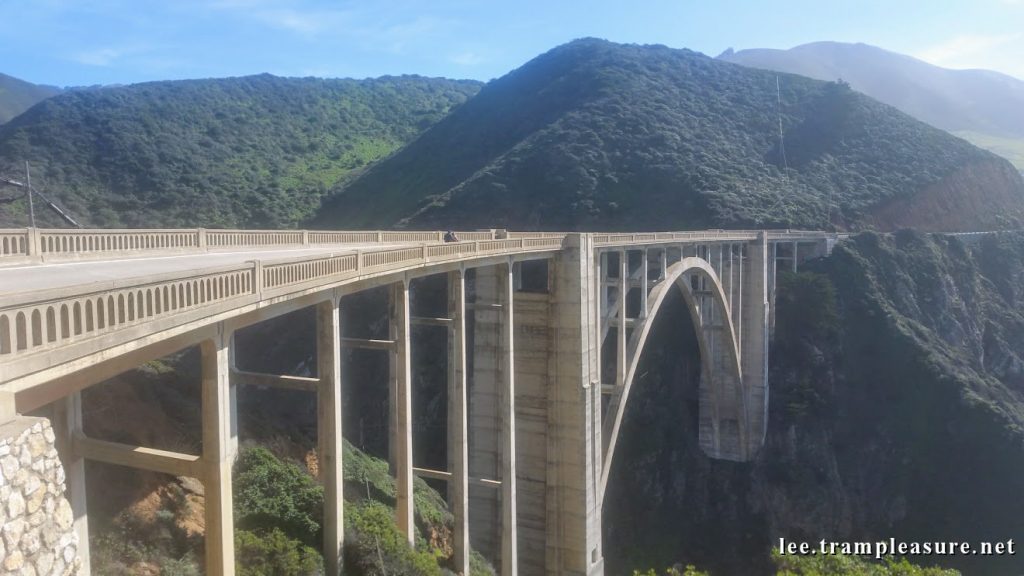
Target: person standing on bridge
x=450 y=236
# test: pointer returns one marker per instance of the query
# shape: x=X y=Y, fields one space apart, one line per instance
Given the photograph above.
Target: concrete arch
x=712 y=340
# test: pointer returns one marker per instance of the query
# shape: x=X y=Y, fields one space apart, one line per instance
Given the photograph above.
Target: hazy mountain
x=256 y=151
x=982 y=106
x=16 y=96
x=594 y=134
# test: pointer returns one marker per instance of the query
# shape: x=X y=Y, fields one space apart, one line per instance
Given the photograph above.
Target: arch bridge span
x=537 y=385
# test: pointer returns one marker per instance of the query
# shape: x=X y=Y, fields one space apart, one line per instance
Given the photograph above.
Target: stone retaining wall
x=37 y=536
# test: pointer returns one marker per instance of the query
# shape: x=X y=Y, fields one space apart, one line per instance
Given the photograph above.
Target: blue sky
x=85 y=42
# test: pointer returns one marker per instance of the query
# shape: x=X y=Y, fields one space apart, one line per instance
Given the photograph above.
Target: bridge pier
x=329 y=438
x=217 y=454
x=400 y=400
x=755 y=324
x=458 y=409
x=67 y=423
x=574 y=415
x=492 y=456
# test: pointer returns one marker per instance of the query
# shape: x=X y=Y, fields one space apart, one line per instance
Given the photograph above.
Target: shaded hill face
x=985 y=107
x=257 y=151
x=16 y=96
x=596 y=135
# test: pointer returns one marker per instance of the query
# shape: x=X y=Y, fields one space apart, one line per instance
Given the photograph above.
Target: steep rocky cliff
x=897 y=410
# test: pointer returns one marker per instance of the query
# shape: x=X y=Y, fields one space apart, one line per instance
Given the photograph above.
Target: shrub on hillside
x=375 y=547
x=272 y=552
x=273 y=495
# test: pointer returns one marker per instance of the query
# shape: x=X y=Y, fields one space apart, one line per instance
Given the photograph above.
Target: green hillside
x=256 y=151
x=16 y=96
x=600 y=135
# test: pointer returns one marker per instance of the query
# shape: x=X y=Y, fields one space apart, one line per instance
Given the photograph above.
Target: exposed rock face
x=36 y=523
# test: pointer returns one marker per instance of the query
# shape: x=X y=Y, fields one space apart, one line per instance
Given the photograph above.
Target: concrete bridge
x=533 y=411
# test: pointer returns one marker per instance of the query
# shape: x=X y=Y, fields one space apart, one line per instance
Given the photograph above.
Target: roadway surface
x=32 y=277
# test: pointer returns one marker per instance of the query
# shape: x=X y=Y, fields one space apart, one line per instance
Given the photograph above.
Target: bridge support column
x=773 y=269
x=509 y=524
x=574 y=413
x=485 y=414
x=643 y=284
x=533 y=385
x=755 y=334
x=493 y=512
x=458 y=442
x=620 y=345
x=328 y=354
x=67 y=422
x=217 y=456
x=401 y=410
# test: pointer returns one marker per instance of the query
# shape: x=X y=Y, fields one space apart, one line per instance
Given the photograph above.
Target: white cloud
x=1000 y=52
x=99 y=57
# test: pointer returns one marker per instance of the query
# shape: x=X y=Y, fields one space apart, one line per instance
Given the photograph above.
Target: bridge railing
x=40 y=244
x=35 y=325
x=666 y=237
x=13 y=243
x=708 y=236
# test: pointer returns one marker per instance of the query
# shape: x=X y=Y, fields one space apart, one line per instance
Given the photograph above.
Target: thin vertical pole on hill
x=31 y=207
x=782 y=141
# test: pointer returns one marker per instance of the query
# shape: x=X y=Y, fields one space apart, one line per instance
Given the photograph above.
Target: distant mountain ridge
x=597 y=135
x=17 y=95
x=982 y=106
x=252 y=152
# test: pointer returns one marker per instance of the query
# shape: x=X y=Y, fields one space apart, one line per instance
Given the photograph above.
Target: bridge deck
x=47 y=275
